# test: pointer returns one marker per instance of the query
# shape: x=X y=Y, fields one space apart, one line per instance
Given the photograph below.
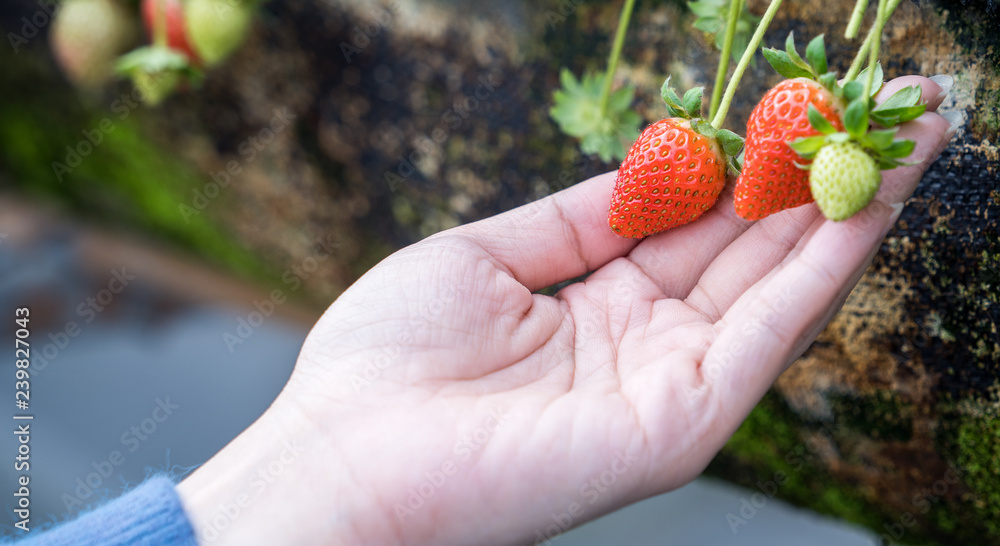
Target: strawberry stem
x=876 y=44
x=741 y=67
x=863 y=51
x=856 y=17
x=735 y=7
x=160 y=23
x=616 y=51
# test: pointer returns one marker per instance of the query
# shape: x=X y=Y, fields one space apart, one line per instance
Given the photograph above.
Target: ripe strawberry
x=173 y=13
x=770 y=181
x=87 y=36
x=671 y=176
x=844 y=179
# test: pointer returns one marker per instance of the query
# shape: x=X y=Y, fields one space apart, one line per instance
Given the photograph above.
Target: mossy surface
x=101 y=165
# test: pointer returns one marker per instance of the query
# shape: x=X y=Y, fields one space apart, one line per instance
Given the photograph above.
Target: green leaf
x=707 y=24
x=853 y=90
x=879 y=140
x=621 y=100
x=782 y=64
x=893 y=117
x=731 y=142
x=793 y=55
x=856 y=117
x=899 y=149
x=828 y=80
x=837 y=138
x=877 y=82
x=816 y=53
x=819 y=122
x=907 y=96
x=808 y=146
x=702 y=126
x=568 y=80
x=577 y=112
x=151 y=59
x=692 y=101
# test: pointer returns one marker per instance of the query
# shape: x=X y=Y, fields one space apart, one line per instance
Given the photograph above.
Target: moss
x=975 y=448
x=119 y=179
x=774 y=440
x=882 y=416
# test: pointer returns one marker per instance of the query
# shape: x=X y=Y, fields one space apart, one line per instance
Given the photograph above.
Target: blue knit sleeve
x=150 y=514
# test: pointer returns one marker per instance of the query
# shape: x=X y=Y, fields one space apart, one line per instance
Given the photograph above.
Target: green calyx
x=689 y=107
x=814 y=66
x=880 y=144
x=861 y=110
x=577 y=110
x=156 y=71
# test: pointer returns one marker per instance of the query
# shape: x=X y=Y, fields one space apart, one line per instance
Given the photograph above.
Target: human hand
x=441 y=400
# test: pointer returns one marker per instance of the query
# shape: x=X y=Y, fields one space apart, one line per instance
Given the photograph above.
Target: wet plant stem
x=864 y=50
x=616 y=51
x=876 y=44
x=735 y=7
x=160 y=24
x=856 y=17
x=741 y=67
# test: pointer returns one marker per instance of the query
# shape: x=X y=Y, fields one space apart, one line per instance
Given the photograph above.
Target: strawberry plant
x=588 y=110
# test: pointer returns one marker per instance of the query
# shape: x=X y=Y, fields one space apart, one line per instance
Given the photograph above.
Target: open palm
x=457 y=405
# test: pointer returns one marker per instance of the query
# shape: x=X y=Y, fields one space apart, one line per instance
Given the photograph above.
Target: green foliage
x=711 y=19
x=577 y=110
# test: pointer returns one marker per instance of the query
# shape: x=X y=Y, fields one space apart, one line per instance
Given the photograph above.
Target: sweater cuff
x=150 y=514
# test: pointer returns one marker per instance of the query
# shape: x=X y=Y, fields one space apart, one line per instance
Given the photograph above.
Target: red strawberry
x=173 y=13
x=671 y=176
x=770 y=181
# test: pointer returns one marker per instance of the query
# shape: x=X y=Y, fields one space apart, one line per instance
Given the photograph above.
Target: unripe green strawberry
x=217 y=27
x=87 y=36
x=843 y=179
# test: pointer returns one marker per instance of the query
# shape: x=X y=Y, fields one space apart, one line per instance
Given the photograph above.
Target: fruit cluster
x=809 y=139
x=186 y=37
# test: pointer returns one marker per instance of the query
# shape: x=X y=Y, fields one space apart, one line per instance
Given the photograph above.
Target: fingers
x=931 y=133
x=775 y=320
x=674 y=260
x=553 y=239
x=767 y=242
x=696 y=246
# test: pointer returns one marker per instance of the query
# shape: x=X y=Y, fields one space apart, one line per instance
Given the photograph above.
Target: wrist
x=278 y=482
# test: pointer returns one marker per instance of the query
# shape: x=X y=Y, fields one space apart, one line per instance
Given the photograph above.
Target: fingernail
x=955 y=119
x=945 y=82
x=897 y=210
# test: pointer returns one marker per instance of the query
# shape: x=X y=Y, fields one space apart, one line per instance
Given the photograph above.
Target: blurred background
x=165 y=167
